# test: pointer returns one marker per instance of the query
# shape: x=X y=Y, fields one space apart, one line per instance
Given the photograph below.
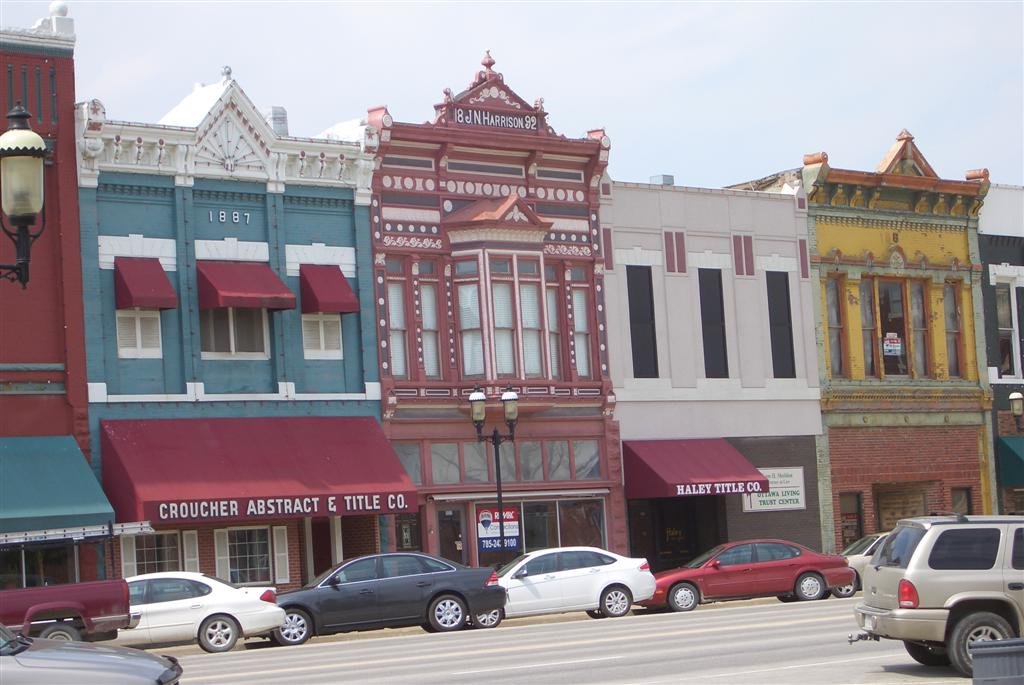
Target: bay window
x=470 y=330
x=504 y=329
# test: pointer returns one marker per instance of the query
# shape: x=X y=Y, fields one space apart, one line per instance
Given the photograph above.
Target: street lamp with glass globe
x=478 y=413
x=22 y=151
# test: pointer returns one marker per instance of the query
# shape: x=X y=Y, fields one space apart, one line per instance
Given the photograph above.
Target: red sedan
x=751 y=568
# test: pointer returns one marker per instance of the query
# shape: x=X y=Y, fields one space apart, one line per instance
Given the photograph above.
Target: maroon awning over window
x=168 y=471
x=248 y=285
x=324 y=288
x=141 y=282
x=673 y=468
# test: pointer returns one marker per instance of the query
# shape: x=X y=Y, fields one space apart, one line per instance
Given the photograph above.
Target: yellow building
x=906 y=412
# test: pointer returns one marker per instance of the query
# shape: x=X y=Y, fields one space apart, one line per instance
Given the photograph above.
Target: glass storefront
x=38 y=565
x=551 y=523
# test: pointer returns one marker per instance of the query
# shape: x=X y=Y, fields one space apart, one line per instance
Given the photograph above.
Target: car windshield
x=212 y=579
x=11 y=643
x=898 y=547
x=703 y=558
x=860 y=546
x=510 y=565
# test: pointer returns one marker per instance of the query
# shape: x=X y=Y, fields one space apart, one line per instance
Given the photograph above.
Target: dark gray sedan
x=37 y=661
x=391 y=591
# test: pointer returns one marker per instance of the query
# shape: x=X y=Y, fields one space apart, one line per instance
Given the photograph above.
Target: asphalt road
x=758 y=643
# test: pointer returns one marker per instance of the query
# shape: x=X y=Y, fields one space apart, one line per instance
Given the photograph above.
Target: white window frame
x=263 y=356
x=135 y=315
x=223 y=561
x=1015 y=377
x=321 y=318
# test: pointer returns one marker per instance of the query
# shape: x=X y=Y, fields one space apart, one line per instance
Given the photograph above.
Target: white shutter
x=580 y=315
x=469 y=306
x=505 y=351
x=310 y=333
x=472 y=353
x=190 y=549
x=221 y=551
x=127 y=338
x=281 y=574
x=431 y=359
x=332 y=332
x=128 y=566
x=396 y=306
x=398 y=358
x=149 y=330
x=428 y=301
x=502 y=295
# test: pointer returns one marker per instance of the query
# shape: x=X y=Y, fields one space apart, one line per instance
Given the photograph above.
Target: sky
x=714 y=93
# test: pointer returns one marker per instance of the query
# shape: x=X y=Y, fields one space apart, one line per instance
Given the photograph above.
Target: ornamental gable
x=488 y=103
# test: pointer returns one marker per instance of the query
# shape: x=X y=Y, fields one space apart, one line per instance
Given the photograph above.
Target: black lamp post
x=21 y=189
x=478 y=412
x=1016 y=407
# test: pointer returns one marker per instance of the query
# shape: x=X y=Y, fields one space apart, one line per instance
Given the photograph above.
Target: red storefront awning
x=324 y=288
x=671 y=468
x=171 y=471
x=249 y=285
x=141 y=282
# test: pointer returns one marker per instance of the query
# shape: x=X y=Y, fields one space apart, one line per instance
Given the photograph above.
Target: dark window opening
x=641 y=322
x=712 y=319
x=780 y=321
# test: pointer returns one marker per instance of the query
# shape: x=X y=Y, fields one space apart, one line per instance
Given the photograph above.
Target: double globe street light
x=22 y=151
x=478 y=414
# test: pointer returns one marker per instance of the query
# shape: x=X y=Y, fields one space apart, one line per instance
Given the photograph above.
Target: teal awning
x=1011 y=461
x=46 y=483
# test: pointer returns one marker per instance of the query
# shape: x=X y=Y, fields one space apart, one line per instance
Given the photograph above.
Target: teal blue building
x=231 y=347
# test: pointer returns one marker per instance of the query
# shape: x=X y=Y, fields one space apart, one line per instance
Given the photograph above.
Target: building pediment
x=507 y=219
x=905 y=158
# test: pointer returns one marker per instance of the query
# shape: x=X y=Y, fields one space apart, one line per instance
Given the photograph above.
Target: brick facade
x=896 y=461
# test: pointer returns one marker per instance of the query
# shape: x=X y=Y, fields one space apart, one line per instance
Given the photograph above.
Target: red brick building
x=44 y=429
x=488 y=263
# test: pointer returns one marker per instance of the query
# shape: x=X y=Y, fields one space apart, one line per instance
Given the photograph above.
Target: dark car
x=391 y=591
x=751 y=568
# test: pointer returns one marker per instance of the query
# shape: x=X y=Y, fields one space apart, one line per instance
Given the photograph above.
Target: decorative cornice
x=134 y=190
x=330 y=202
x=887 y=396
x=823 y=216
x=227 y=196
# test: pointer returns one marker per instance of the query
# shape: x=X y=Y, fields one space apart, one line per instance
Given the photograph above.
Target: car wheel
x=844 y=591
x=928 y=656
x=809 y=586
x=64 y=632
x=616 y=601
x=492 y=619
x=683 y=597
x=447 y=612
x=972 y=628
x=595 y=613
x=218 y=633
x=296 y=629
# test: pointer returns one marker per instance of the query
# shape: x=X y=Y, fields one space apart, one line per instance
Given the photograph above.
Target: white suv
x=940 y=583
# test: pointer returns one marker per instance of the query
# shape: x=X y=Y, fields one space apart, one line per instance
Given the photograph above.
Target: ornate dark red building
x=488 y=269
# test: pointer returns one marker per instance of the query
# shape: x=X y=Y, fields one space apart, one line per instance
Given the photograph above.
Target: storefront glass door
x=451 y=534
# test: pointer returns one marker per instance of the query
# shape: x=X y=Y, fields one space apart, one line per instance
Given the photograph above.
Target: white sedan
x=561 y=579
x=179 y=606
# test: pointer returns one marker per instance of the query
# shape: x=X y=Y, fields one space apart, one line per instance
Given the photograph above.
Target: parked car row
x=412 y=588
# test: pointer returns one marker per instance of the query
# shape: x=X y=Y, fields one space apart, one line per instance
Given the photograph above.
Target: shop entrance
x=451 y=534
x=320 y=537
x=670 y=531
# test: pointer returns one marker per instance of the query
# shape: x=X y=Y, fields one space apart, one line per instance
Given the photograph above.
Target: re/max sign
x=481 y=117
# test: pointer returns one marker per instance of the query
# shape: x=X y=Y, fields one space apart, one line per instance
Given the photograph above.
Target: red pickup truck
x=78 y=611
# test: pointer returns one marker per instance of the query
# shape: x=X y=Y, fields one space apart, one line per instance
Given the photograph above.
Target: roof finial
x=226 y=73
x=904 y=135
x=488 y=62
